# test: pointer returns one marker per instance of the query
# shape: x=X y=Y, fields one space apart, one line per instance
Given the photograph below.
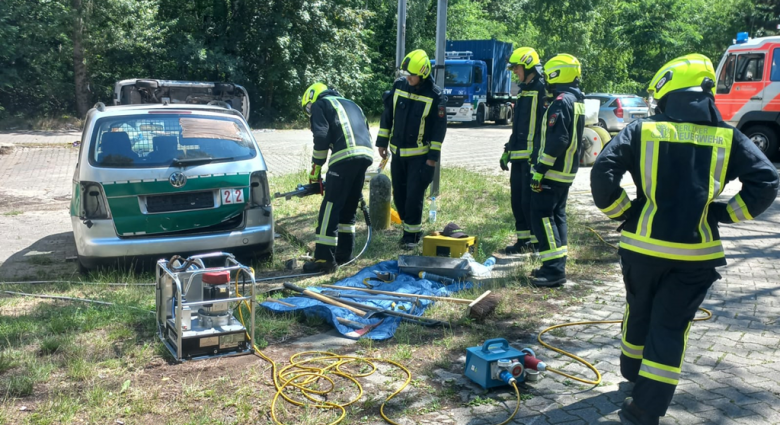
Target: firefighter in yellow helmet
x=412 y=128
x=554 y=164
x=529 y=112
x=338 y=125
x=680 y=159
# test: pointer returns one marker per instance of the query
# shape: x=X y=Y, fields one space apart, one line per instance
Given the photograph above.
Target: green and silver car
x=158 y=179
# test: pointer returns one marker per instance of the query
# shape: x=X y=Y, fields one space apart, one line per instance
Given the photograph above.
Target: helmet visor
x=307 y=109
x=403 y=72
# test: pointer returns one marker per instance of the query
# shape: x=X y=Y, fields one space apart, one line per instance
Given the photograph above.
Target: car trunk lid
x=157 y=206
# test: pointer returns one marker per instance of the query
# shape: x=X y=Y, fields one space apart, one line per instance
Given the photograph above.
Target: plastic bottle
x=432 y=211
x=490 y=262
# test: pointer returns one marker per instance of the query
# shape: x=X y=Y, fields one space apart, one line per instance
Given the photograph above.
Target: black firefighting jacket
x=558 y=153
x=528 y=115
x=414 y=120
x=680 y=161
x=338 y=124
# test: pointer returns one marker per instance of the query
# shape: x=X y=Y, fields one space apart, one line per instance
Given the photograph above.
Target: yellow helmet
x=416 y=63
x=562 y=69
x=687 y=72
x=525 y=56
x=311 y=94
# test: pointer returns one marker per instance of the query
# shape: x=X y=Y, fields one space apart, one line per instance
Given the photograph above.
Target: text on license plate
x=232 y=196
x=637 y=115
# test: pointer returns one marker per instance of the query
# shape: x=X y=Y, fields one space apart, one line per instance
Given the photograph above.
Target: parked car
x=140 y=91
x=617 y=110
x=154 y=179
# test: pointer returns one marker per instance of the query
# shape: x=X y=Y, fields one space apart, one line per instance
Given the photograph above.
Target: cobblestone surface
x=731 y=374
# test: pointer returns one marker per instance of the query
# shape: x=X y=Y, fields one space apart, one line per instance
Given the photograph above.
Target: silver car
x=153 y=180
x=617 y=110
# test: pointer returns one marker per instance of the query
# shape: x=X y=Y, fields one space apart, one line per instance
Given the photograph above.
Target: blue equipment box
x=484 y=364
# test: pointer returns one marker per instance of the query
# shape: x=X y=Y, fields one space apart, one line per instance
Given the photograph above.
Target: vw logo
x=177 y=179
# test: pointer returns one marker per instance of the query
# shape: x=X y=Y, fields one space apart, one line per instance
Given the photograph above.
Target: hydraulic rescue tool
x=195 y=305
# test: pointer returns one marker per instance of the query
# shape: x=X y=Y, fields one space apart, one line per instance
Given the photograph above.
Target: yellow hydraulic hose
x=585 y=362
x=304 y=374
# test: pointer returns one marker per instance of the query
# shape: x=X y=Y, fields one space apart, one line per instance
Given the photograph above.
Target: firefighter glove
x=314 y=174
x=504 y=161
x=536 y=180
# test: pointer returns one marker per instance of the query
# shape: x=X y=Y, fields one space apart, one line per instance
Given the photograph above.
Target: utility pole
x=441 y=45
x=400 y=42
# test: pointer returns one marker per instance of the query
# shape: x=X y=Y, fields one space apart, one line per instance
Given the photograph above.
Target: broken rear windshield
x=160 y=140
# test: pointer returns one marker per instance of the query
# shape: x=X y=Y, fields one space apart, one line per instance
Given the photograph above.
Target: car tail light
x=619 y=110
x=93 y=201
x=259 y=192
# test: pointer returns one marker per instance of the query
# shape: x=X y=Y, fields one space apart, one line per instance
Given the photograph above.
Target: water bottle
x=490 y=262
x=432 y=211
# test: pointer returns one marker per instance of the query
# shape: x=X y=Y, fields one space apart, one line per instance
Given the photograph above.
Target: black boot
x=320 y=266
x=636 y=415
x=519 y=248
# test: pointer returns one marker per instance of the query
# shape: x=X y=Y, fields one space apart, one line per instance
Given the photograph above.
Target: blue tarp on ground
x=403 y=283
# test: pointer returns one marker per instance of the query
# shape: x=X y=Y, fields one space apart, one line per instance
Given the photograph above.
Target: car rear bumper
x=100 y=241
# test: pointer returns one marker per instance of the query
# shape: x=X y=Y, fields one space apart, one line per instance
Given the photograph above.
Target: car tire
x=481 y=114
x=764 y=137
x=603 y=124
x=508 y=119
x=83 y=269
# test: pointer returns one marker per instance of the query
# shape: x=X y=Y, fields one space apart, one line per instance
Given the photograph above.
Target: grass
x=75 y=362
x=12 y=213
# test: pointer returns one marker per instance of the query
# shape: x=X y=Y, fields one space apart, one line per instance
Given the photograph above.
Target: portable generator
x=496 y=364
x=195 y=306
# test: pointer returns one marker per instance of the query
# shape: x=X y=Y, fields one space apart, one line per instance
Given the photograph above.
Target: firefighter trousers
x=548 y=224
x=411 y=177
x=335 y=233
x=661 y=302
x=519 y=185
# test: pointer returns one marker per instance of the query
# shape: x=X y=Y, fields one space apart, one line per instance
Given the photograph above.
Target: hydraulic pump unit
x=196 y=305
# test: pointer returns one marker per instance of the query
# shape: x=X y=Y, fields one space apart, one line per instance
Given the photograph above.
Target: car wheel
x=765 y=138
x=603 y=124
x=83 y=269
x=481 y=114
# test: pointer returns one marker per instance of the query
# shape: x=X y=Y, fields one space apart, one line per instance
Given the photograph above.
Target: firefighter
x=412 y=127
x=554 y=164
x=680 y=160
x=529 y=111
x=338 y=124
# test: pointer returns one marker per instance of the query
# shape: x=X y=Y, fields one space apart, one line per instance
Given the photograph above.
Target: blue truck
x=476 y=81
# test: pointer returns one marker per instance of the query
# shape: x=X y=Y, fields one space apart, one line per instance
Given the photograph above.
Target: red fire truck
x=748 y=89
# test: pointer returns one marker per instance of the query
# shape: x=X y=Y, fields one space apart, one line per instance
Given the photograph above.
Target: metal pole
x=400 y=42
x=441 y=45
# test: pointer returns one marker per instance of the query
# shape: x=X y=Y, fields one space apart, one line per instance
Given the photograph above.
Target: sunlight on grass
x=77 y=357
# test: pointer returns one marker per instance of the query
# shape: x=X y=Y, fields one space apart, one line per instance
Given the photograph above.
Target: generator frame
x=231 y=265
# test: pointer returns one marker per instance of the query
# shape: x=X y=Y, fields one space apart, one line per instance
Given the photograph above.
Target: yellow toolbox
x=442 y=246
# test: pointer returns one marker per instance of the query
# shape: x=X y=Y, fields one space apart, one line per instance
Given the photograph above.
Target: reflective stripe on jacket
x=339 y=125
x=558 y=156
x=528 y=115
x=414 y=120
x=679 y=169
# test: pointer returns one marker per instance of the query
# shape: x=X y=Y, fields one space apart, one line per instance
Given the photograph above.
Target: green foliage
x=275 y=48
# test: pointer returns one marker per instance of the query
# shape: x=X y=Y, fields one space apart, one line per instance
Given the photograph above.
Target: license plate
x=637 y=115
x=232 y=196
